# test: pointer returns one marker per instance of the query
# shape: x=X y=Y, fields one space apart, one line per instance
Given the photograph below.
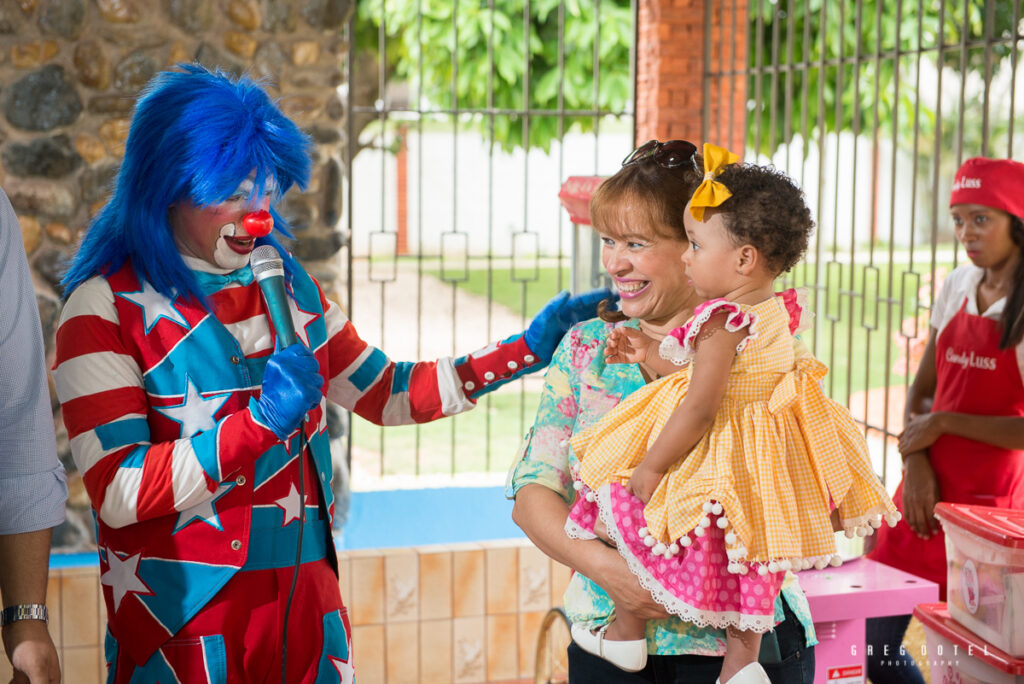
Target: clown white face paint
x=214 y=233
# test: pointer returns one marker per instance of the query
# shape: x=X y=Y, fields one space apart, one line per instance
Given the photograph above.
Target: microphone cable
x=298 y=552
x=266 y=264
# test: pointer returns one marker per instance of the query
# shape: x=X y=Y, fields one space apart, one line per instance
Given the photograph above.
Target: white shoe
x=750 y=674
x=630 y=656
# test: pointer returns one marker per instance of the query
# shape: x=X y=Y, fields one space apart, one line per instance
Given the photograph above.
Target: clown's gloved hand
x=561 y=313
x=292 y=386
x=500 y=362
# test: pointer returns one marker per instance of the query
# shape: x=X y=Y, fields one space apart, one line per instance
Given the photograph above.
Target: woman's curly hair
x=767 y=210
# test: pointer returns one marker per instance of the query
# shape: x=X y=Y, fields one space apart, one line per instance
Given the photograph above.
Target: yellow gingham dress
x=777 y=450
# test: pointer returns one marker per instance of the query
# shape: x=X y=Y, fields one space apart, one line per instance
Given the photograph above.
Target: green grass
x=524 y=291
x=485 y=439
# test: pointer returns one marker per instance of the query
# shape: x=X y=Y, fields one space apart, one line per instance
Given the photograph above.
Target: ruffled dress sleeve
x=795 y=301
x=678 y=345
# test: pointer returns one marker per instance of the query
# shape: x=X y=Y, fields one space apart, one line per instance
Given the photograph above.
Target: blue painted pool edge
x=402 y=518
x=420 y=517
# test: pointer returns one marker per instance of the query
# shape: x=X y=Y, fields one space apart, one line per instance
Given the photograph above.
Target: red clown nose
x=258 y=223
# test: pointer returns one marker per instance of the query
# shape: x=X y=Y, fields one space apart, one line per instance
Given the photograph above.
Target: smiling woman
x=639 y=215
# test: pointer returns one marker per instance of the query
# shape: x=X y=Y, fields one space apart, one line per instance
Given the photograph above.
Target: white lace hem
x=740 y=563
x=576 y=531
x=672 y=603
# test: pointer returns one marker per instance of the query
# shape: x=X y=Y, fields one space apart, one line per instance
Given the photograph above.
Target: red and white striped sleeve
x=105 y=409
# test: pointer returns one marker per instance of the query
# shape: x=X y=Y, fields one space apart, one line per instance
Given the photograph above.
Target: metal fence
x=455 y=157
x=463 y=120
x=871 y=105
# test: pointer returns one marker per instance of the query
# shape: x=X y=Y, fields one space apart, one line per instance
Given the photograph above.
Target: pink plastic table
x=842 y=599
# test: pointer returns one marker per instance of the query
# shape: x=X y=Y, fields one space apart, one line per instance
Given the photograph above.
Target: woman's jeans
x=888 y=661
x=796 y=665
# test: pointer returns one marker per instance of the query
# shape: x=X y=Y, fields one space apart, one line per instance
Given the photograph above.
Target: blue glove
x=561 y=313
x=292 y=386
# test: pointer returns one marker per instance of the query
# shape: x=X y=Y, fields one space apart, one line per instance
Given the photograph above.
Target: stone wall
x=70 y=71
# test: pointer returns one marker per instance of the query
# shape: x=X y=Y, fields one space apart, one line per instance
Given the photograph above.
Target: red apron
x=973 y=376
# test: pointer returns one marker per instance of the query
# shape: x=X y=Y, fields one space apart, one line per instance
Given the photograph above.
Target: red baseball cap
x=997 y=183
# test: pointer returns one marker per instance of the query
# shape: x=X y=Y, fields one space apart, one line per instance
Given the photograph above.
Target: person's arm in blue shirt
x=32 y=488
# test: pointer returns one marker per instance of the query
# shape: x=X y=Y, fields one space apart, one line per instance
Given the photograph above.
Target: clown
x=189 y=422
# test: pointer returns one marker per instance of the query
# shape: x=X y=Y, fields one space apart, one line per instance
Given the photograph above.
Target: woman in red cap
x=963 y=436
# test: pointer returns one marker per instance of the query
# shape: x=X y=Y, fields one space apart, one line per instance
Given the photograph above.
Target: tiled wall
x=451 y=613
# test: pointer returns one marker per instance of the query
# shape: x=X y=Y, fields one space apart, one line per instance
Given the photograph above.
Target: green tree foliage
x=526 y=59
x=816 y=42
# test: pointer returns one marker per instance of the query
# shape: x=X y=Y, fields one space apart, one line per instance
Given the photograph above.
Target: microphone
x=268 y=270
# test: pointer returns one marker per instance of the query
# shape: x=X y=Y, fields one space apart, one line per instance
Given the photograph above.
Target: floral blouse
x=579 y=390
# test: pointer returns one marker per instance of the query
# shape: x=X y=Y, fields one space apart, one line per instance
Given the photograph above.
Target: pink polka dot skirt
x=690 y=577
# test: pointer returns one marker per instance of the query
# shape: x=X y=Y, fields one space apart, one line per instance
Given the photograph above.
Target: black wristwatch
x=23 y=611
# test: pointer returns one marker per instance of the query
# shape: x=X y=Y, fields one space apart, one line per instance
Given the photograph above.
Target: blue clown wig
x=196 y=135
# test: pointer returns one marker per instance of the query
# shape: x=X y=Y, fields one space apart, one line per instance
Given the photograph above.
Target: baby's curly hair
x=767 y=210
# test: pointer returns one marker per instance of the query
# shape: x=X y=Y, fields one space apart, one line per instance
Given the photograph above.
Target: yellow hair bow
x=711 y=193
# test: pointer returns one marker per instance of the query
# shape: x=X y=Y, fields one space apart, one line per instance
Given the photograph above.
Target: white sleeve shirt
x=32 y=484
x=962 y=285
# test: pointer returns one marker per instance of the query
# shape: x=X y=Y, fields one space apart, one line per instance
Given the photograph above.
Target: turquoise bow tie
x=212 y=282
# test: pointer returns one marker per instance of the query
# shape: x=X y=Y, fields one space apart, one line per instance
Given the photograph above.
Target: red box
x=985 y=572
x=957 y=655
x=575 y=196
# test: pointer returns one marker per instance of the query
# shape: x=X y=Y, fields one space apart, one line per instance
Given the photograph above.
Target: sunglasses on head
x=669 y=154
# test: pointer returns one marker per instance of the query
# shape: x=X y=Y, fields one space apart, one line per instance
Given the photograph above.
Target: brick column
x=670 y=69
x=402 y=192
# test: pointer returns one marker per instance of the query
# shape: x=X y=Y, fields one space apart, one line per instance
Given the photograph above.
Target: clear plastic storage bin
x=958 y=656
x=985 y=572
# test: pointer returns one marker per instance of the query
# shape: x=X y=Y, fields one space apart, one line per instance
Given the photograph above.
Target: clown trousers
x=238 y=636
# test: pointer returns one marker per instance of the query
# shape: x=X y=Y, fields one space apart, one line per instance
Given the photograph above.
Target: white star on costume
x=203 y=511
x=344 y=668
x=291 y=505
x=194 y=413
x=123 y=577
x=154 y=306
x=303 y=318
